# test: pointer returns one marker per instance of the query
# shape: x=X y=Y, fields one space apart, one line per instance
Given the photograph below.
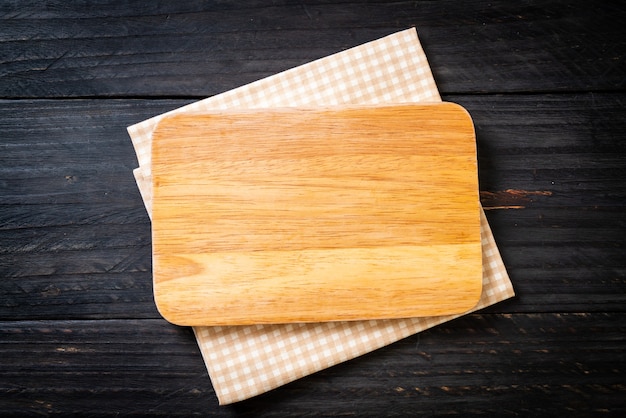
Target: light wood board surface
x=299 y=215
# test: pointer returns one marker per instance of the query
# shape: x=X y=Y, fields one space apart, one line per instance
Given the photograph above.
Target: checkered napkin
x=244 y=361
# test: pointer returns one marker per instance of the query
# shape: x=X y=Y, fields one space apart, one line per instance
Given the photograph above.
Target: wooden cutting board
x=296 y=215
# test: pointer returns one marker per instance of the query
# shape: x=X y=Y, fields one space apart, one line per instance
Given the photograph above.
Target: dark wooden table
x=545 y=83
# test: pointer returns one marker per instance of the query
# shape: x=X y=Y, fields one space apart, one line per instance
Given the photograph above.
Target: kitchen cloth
x=245 y=361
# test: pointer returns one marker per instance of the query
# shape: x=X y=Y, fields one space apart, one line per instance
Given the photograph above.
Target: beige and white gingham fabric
x=244 y=361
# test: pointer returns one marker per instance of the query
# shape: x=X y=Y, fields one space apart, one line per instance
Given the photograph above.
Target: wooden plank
x=66 y=164
x=490 y=364
x=74 y=236
x=68 y=250
x=201 y=49
x=563 y=153
x=102 y=367
x=58 y=295
x=313 y=215
x=581 y=122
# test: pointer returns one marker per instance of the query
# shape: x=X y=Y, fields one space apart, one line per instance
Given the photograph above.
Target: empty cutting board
x=299 y=215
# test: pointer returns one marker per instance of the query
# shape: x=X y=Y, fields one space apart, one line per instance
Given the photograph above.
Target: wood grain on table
x=544 y=82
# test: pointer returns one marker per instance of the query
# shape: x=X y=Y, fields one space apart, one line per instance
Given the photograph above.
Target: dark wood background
x=545 y=83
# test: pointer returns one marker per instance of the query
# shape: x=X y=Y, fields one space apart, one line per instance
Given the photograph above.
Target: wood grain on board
x=302 y=215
